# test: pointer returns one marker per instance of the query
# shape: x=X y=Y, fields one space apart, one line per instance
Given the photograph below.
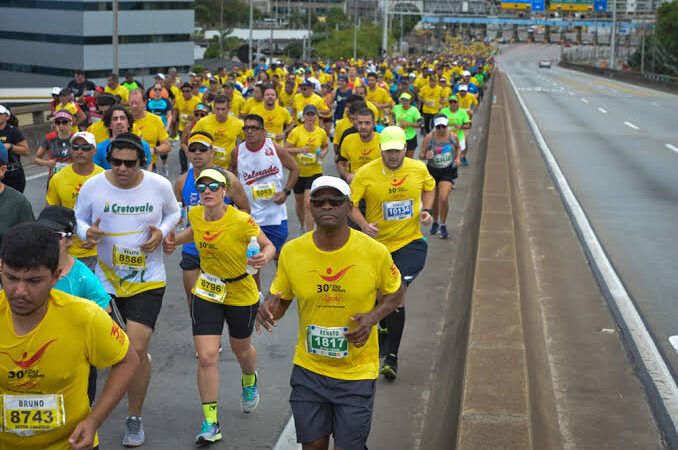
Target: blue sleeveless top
x=190 y=197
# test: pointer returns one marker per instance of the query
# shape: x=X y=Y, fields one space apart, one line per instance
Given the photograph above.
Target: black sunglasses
x=61 y=122
x=83 y=147
x=202 y=187
x=441 y=126
x=197 y=148
x=129 y=163
x=318 y=202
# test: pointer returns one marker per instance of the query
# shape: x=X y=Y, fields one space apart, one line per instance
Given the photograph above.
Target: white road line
x=584 y=100
x=36 y=176
x=630 y=125
x=288 y=438
x=673 y=340
x=628 y=317
x=671 y=147
x=602 y=110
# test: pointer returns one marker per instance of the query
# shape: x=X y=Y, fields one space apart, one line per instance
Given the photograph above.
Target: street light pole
x=221 y=34
x=249 y=55
x=384 y=36
x=613 y=37
x=115 y=37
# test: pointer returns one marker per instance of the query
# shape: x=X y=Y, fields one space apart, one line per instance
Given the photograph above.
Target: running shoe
x=390 y=367
x=209 y=434
x=250 y=397
x=434 y=228
x=443 y=232
x=134 y=432
x=464 y=161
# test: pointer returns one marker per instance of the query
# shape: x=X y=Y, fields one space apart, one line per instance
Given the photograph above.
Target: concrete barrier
x=650 y=80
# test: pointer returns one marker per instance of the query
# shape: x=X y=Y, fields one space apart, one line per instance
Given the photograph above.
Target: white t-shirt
x=126 y=215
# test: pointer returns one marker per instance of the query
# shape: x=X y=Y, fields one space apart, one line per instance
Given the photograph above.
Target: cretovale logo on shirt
x=128 y=210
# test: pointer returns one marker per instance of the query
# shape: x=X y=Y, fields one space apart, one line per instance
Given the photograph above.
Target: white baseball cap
x=441 y=120
x=327 y=181
x=4 y=110
x=466 y=73
x=56 y=90
x=87 y=136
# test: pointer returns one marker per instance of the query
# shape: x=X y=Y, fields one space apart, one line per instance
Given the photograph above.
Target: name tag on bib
x=329 y=342
x=129 y=258
x=398 y=210
x=263 y=191
x=307 y=159
x=28 y=414
x=210 y=287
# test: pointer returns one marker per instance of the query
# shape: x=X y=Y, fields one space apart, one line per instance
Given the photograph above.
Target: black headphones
x=128 y=140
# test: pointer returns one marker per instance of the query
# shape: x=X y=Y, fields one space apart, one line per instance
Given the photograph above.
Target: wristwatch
x=428 y=210
x=287 y=192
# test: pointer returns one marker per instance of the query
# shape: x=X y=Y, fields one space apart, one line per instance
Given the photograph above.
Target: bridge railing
x=651 y=80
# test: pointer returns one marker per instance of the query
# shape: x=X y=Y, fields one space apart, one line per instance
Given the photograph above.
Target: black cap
x=65 y=91
x=186 y=85
x=58 y=218
x=105 y=99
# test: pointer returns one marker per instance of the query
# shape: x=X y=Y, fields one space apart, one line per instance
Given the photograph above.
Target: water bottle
x=252 y=250
x=317 y=154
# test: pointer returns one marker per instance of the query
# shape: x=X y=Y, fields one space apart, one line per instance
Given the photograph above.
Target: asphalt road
x=617 y=145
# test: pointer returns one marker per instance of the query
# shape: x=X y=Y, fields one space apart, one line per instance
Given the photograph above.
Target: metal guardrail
x=655 y=81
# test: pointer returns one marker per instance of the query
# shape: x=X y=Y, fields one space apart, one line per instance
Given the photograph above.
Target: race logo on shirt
x=397 y=185
x=26 y=375
x=256 y=175
x=128 y=210
x=329 y=287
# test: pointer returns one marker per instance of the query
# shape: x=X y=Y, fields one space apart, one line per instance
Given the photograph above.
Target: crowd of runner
x=395 y=130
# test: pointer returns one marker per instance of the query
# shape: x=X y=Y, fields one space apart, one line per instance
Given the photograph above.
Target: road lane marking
x=630 y=125
x=584 y=100
x=671 y=147
x=602 y=110
x=673 y=340
x=659 y=379
x=36 y=176
x=288 y=438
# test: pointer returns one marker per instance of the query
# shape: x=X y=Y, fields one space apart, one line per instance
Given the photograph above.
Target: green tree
x=667 y=27
x=231 y=44
x=236 y=12
x=339 y=43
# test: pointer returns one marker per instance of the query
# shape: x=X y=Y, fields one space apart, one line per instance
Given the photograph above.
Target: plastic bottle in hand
x=317 y=154
x=252 y=250
x=183 y=220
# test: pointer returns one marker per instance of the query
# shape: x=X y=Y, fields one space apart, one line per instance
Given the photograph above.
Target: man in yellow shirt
x=277 y=120
x=184 y=106
x=399 y=194
x=225 y=130
x=64 y=186
x=429 y=102
x=335 y=274
x=65 y=103
x=379 y=96
x=236 y=100
x=467 y=102
x=307 y=96
x=287 y=94
x=445 y=91
x=359 y=148
x=150 y=128
x=255 y=100
x=99 y=129
x=308 y=144
x=115 y=88
x=46 y=365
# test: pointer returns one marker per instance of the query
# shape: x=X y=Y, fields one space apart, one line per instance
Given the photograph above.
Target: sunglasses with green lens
x=202 y=187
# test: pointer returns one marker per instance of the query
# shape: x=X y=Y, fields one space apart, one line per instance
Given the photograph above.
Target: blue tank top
x=190 y=197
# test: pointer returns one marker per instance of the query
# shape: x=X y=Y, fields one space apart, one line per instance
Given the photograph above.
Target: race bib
x=329 y=342
x=59 y=166
x=442 y=158
x=430 y=103
x=129 y=258
x=307 y=159
x=263 y=191
x=219 y=154
x=398 y=210
x=29 y=414
x=210 y=287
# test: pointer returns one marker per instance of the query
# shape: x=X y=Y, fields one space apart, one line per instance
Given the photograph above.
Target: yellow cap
x=405 y=95
x=392 y=138
x=201 y=138
x=213 y=174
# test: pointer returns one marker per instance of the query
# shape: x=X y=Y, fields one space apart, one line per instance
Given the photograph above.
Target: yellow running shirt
x=185 y=109
x=339 y=127
x=300 y=101
x=286 y=100
x=63 y=190
x=275 y=120
x=120 y=91
x=393 y=199
x=359 y=153
x=331 y=287
x=468 y=101
x=249 y=105
x=316 y=139
x=430 y=98
x=236 y=104
x=48 y=369
x=225 y=136
x=222 y=245
x=152 y=130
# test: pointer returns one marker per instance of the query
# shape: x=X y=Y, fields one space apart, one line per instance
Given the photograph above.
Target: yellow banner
x=507 y=5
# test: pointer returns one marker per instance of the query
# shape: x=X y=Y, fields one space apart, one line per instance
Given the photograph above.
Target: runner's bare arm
x=271 y=311
x=365 y=322
x=238 y=195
